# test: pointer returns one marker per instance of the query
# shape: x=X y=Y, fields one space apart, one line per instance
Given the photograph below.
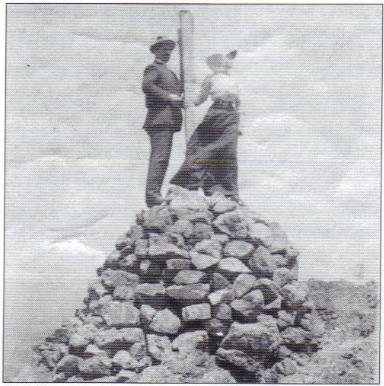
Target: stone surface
x=188 y=277
x=223 y=312
x=97 y=366
x=218 y=281
x=278 y=240
x=294 y=294
x=160 y=247
x=127 y=361
x=124 y=292
x=233 y=224
x=282 y=276
x=197 y=291
x=243 y=284
x=141 y=248
x=231 y=265
x=157 y=219
x=209 y=247
x=239 y=249
x=147 y=313
x=114 y=278
x=165 y=322
x=118 y=314
x=182 y=227
x=159 y=347
x=69 y=365
x=217 y=376
x=178 y=264
x=260 y=233
x=203 y=261
x=224 y=206
x=184 y=199
x=221 y=296
x=285 y=319
x=286 y=367
x=249 y=346
x=222 y=238
x=191 y=341
x=196 y=312
x=263 y=263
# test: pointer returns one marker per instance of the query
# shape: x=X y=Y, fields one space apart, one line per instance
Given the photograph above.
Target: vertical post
x=187 y=74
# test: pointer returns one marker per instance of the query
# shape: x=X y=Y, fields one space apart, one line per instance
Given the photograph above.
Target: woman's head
x=219 y=62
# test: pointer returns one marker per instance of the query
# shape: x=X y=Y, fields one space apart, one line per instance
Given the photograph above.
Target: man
x=163 y=99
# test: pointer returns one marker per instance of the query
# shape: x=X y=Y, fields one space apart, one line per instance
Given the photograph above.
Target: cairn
x=199 y=282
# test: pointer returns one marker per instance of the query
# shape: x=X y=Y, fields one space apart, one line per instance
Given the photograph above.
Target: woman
x=211 y=157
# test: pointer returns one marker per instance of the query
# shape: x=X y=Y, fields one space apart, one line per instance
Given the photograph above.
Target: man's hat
x=162 y=41
x=218 y=61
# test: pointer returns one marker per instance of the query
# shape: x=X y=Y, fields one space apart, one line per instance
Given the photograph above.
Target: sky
x=309 y=157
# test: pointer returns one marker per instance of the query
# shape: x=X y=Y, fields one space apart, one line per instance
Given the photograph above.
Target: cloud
x=72 y=247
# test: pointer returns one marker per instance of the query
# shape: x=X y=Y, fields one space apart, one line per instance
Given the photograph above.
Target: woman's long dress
x=211 y=157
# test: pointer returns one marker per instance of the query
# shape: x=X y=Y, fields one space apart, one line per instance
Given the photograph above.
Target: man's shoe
x=154 y=199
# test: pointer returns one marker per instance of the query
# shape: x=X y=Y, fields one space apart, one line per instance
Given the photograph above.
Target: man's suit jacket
x=158 y=82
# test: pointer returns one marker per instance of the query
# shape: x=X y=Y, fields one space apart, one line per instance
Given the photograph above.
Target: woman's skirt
x=211 y=157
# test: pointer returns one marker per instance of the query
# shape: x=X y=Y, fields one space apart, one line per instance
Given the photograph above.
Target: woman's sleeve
x=204 y=91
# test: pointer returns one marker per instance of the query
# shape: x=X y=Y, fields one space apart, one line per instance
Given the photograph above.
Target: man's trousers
x=161 y=146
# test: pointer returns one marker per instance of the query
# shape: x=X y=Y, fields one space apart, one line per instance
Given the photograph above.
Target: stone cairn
x=198 y=280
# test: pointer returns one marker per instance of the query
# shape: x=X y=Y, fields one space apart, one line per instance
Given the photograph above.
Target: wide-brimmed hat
x=162 y=41
x=220 y=61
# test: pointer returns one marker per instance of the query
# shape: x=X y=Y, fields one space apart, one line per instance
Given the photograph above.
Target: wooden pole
x=187 y=73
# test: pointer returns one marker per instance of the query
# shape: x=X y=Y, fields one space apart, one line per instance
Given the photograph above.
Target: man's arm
x=149 y=86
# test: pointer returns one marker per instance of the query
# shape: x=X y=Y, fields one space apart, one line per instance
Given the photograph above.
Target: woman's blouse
x=220 y=86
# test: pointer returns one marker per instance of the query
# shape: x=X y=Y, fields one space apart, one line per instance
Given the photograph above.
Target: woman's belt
x=220 y=104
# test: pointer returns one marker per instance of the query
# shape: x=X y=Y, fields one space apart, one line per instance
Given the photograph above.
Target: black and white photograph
x=192 y=193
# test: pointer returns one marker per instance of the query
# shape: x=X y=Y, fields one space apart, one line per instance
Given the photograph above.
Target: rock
x=51 y=353
x=274 y=305
x=191 y=341
x=118 y=314
x=216 y=328
x=284 y=352
x=209 y=247
x=160 y=247
x=262 y=262
x=239 y=249
x=222 y=238
x=255 y=297
x=278 y=240
x=96 y=366
x=223 y=312
x=223 y=206
x=150 y=290
x=199 y=217
x=197 y=291
x=221 y=296
x=294 y=294
x=182 y=227
x=201 y=231
x=157 y=374
x=296 y=336
x=141 y=248
x=112 y=278
x=188 y=277
x=176 y=239
x=151 y=270
x=96 y=289
x=286 y=367
x=125 y=375
x=217 y=376
x=269 y=289
x=218 y=282
x=243 y=284
x=92 y=349
x=107 y=379
x=124 y=292
x=282 y=276
x=260 y=233
x=157 y=219
x=165 y=322
x=136 y=232
x=127 y=361
x=285 y=319
x=267 y=320
x=233 y=224
x=147 y=313
x=69 y=365
x=202 y=261
x=78 y=342
x=185 y=199
x=178 y=264
x=159 y=347
x=112 y=338
x=196 y=312
x=232 y=266
x=122 y=242
x=249 y=346
x=129 y=262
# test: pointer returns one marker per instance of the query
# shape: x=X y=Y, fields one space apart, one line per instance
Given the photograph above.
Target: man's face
x=163 y=53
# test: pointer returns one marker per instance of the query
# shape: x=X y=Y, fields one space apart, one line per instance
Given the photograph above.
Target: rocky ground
x=200 y=290
x=349 y=352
